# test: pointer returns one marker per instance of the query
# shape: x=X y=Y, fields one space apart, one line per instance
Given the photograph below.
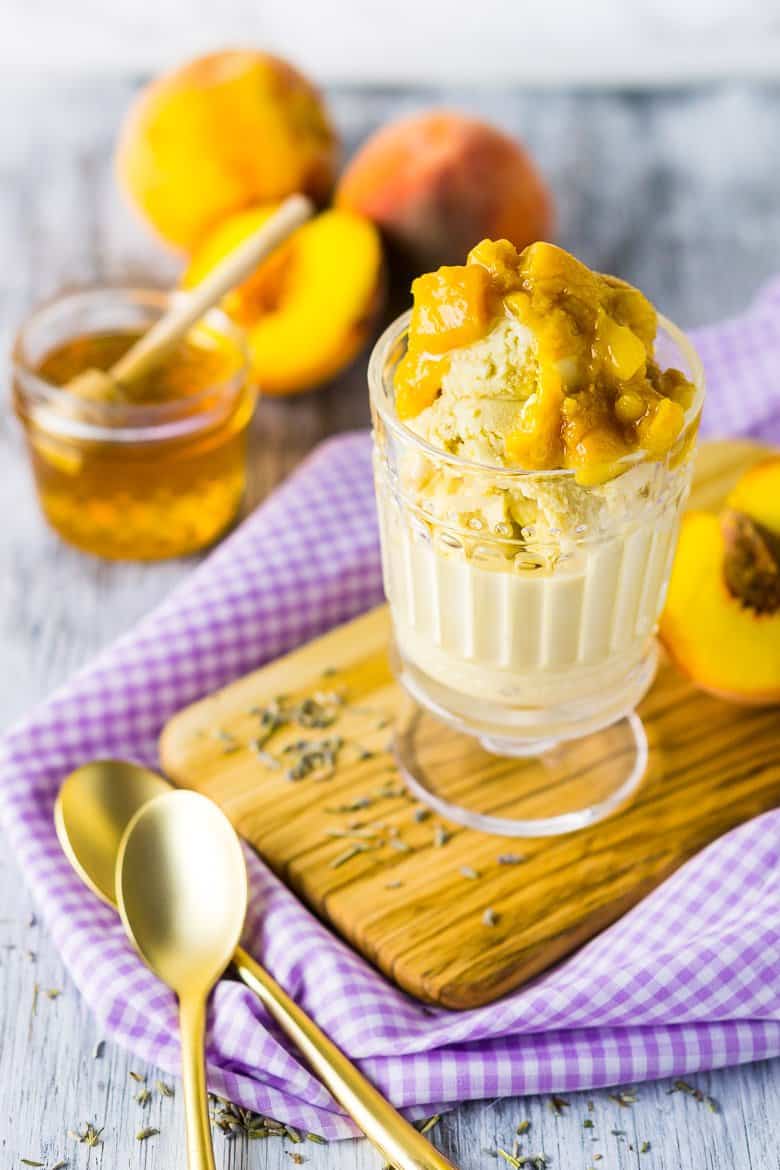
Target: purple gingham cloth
x=688 y=980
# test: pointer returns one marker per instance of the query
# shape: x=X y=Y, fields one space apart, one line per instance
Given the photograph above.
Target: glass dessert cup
x=133 y=480
x=523 y=648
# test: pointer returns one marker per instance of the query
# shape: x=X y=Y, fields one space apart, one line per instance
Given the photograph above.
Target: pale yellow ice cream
x=532 y=361
x=483 y=394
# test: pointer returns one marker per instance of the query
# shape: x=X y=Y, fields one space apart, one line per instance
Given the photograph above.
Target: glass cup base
x=526 y=788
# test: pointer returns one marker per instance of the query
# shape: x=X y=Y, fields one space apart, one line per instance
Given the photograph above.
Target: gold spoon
x=93 y=809
x=182 y=892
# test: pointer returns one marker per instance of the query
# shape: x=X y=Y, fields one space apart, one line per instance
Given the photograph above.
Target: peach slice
x=451 y=308
x=721 y=623
x=311 y=307
x=438 y=182
x=222 y=133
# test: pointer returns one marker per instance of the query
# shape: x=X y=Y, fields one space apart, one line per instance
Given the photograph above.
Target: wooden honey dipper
x=151 y=349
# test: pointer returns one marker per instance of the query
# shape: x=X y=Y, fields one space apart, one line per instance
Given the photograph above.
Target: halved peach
x=310 y=308
x=721 y=623
x=758 y=493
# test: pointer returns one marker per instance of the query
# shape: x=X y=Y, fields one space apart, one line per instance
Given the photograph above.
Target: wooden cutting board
x=408 y=907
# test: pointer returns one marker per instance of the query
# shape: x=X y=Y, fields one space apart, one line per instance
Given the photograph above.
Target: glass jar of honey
x=156 y=472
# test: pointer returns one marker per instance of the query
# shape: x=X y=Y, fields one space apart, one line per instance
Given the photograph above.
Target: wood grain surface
x=406 y=902
x=675 y=191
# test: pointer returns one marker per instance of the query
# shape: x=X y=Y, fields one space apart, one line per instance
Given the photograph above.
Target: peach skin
x=219 y=134
x=438 y=182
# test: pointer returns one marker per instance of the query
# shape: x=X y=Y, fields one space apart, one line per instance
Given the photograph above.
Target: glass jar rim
x=394 y=333
x=122 y=421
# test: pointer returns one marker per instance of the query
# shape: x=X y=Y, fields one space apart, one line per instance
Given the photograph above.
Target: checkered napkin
x=688 y=980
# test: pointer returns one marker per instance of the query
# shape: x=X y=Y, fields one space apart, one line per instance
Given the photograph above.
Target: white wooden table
x=676 y=192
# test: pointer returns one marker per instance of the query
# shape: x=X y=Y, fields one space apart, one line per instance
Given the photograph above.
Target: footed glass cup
x=524 y=608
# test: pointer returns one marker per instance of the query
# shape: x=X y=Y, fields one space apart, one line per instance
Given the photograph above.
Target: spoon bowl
x=182 y=892
x=182 y=889
x=94 y=807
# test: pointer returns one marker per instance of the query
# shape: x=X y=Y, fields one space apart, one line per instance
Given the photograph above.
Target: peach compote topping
x=598 y=395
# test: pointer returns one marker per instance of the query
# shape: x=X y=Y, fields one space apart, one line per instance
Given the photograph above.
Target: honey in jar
x=157 y=473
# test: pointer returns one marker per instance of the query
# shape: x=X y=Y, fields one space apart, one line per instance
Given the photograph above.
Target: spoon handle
x=398 y=1141
x=192 y=1027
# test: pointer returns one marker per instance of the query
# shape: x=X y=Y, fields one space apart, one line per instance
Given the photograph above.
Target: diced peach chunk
x=450 y=308
x=500 y=259
x=661 y=426
x=621 y=346
x=417 y=382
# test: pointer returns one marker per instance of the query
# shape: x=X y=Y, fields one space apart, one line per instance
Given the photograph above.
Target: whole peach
x=438 y=182
x=221 y=133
